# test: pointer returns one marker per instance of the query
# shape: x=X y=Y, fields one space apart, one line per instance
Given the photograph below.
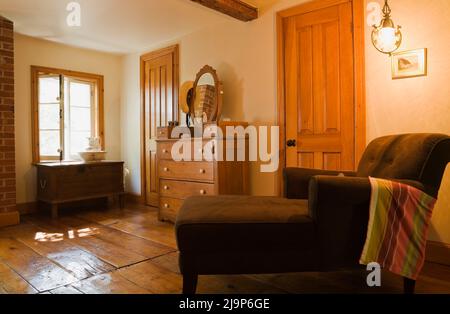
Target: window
x=67 y=111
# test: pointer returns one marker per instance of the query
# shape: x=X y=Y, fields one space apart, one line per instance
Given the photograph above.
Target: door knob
x=291 y=143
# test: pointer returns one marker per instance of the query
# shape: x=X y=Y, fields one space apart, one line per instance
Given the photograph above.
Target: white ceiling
x=117 y=26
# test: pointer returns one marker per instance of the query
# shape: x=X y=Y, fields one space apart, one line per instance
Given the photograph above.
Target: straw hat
x=185 y=96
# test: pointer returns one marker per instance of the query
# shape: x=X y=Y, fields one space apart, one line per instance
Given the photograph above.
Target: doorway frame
x=175 y=50
x=358 y=8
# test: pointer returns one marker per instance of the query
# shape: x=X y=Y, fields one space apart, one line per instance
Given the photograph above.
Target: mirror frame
x=219 y=92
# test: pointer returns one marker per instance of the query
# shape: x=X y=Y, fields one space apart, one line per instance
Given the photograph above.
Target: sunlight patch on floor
x=71 y=234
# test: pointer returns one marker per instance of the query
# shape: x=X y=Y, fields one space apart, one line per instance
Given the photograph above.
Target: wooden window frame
x=358 y=8
x=97 y=80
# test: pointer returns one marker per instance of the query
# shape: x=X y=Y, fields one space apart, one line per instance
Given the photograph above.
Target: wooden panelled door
x=160 y=106
x=319 y=88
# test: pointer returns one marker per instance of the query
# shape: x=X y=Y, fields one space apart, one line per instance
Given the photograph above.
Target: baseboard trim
x=438 y=253
x=9 y=219
x=27 y=208
x=135 y=199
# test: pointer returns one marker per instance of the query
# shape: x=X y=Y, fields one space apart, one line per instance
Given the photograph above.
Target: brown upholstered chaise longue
x=320 y=226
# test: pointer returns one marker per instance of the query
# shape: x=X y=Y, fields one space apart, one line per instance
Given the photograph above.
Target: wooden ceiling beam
x=234 y=8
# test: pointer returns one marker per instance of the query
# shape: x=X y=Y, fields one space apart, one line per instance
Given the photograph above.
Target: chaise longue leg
x=409 y=286
x=190 y=283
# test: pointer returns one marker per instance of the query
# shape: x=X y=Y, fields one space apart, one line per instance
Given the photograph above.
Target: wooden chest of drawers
x=68 y=182
x=180 y=180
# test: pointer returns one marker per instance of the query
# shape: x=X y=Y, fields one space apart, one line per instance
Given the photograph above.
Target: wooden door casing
x=319 y=88
x=160 y=99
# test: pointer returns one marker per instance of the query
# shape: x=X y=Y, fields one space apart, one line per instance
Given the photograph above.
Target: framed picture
x=411 y=63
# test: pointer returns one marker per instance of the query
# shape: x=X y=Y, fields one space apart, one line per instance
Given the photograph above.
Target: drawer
x=169 y=208
x=164 y=150
x=197 y=171
x=183 y=189
x=162 y=133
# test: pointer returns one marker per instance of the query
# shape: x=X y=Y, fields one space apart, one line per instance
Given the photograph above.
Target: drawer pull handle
x=166 y=169
x=166 y=187
x=166 y=206
x=202 y=192
x=202 y=171
x=165 y=151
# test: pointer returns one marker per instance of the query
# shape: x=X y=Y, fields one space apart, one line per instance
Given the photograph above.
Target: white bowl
x=92 y=156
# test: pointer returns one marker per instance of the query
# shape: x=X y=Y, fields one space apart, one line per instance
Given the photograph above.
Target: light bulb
x=386 y=39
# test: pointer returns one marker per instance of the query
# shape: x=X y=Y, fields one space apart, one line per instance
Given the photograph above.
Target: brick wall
x=7 y=141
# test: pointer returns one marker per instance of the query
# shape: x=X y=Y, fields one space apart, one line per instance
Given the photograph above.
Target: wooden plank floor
x=112 y=251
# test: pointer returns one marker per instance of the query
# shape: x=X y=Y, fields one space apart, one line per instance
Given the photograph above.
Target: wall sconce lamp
x=386 y=38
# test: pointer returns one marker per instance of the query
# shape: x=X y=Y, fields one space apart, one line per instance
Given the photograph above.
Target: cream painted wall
x=416 y=104
x=30 y=51
x=131 y=121
x=245 y=56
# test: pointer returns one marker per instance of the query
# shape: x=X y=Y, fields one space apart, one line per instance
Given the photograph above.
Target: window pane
x=49 y=117
x=48 y=89
x=80 y=119
x=79 y=141
x=49 y=143
x=80 y=94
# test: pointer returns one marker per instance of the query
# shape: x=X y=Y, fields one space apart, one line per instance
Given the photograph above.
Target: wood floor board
x=25 y=229
x=148 y=219
x=236 y=284
x=81 y=263
x=40 y=272
x=142 y=225
x=110 y=253
x=159 y=234
x=11 y=282
x=81 y=234
x=322 y=283
x=152 y=277
x=112 y=215
x=110 y=283
x=169 y=262
x=144 y=247
x=66 y=290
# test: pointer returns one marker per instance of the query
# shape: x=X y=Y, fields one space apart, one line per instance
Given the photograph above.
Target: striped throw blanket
x=398 y=227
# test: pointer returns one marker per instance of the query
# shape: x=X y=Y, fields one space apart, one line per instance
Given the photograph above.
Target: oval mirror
x=206 y=101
